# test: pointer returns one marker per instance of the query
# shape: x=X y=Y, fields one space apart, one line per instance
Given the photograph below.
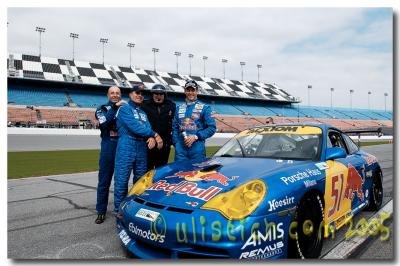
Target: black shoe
x=100 y=218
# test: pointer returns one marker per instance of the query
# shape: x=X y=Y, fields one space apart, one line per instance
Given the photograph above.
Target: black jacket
x=160 y=117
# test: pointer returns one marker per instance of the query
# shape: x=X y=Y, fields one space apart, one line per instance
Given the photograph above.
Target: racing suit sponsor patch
x=102 y=119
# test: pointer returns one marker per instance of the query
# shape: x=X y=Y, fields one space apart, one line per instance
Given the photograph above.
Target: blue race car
x=274 y=192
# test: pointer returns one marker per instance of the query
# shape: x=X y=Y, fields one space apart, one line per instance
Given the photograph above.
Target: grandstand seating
x=42 y=103
x=23 y=95
x=36 y=96
x=68 y=116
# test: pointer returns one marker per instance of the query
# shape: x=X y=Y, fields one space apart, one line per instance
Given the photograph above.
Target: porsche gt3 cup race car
x=274 y=191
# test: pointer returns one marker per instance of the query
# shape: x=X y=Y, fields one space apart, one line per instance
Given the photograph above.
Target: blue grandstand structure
x=59 y=83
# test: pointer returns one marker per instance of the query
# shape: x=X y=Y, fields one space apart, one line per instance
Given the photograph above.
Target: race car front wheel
x=376 y=193
x=305 y=240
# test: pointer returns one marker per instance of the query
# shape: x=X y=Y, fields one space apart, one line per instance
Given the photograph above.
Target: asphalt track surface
x=53 y=217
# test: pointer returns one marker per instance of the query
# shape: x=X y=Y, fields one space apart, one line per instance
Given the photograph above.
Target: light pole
x=177 y=63
x=155 y=50
x=73 y=36
x=369 y=107
x=258 y=72
x=204 y=65
x=241 y=65
x=130 y=45
x=40 y=30
x=332 y=89
x=351 y=99
x=224 y=61
x=103 y=41
x=190 y=64
x=309 y=87
x=385 y=94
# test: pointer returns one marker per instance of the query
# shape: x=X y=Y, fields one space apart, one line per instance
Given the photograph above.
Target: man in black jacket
x=160 y=112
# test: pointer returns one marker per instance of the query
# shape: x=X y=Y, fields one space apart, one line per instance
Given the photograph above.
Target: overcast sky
x=340 y=48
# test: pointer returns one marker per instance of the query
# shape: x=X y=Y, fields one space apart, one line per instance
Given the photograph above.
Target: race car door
x=343 y=180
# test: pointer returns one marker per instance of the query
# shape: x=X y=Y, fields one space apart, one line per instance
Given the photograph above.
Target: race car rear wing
x=358 y=132
x=378 y=131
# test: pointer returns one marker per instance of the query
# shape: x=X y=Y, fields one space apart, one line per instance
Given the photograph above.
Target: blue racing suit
x=192 y=119
x=133 y=130
x=105 y=114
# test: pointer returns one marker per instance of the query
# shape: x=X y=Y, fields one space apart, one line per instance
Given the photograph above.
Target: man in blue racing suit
x=134 y=132
x=105 y=114
x=193 y=123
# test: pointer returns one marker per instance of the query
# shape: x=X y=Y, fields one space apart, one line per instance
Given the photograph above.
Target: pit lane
x=52 y=217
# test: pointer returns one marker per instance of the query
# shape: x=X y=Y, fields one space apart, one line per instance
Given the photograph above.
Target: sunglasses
x=139 y=93
x=158 y=93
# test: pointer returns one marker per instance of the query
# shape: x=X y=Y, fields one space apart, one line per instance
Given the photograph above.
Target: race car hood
x=187 y=185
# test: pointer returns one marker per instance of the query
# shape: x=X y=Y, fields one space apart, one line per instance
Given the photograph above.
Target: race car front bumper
x=199 y=233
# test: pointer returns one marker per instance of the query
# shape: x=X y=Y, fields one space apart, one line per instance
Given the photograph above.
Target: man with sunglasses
x=160 y=110
x=135 y=136
x=193 y=123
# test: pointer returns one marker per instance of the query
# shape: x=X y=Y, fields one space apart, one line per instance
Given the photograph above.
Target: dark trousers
x=106 y=171
x=157 y=158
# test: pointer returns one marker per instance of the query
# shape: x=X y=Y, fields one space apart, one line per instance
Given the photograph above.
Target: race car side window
x=353 y=148
x=335 y=140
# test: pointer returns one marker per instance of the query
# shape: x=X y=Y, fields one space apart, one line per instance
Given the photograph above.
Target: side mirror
x=335 y=153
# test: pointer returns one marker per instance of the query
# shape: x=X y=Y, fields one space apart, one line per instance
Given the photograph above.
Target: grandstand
x=52 y=92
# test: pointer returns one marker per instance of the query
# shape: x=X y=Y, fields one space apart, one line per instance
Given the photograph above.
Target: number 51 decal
x=336 y=194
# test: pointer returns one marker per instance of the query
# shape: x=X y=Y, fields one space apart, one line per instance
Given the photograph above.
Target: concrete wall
x=45 y=139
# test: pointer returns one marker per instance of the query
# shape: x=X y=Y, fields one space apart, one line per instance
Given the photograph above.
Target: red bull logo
x=354 y=184
x=187 y=124
x=208 y=176
x=187 y=188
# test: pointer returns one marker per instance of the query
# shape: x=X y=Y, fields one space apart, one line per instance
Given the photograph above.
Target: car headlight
x=239 y=202
x=144 y=182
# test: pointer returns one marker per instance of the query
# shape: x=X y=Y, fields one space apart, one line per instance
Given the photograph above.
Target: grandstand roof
x=62 y=70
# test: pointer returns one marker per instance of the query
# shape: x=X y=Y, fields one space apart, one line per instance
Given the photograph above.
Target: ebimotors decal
x=147 y=214
x=187 y=188
x=146 y=234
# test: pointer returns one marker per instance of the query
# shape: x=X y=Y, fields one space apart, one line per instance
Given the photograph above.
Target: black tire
x=376 y=196
x=307 y=246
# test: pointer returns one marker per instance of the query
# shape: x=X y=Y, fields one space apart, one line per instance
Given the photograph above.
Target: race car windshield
x=302 y=145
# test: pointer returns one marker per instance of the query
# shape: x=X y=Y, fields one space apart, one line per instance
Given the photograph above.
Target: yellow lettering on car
x=298 y=130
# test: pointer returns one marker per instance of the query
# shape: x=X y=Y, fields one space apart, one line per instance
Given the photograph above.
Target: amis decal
x=274 y=232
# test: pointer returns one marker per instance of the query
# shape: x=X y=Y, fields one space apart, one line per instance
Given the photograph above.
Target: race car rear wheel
x=307 y=236
x=375 y=200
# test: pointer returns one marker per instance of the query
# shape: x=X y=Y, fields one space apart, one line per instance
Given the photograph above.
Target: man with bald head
x=105 y=114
